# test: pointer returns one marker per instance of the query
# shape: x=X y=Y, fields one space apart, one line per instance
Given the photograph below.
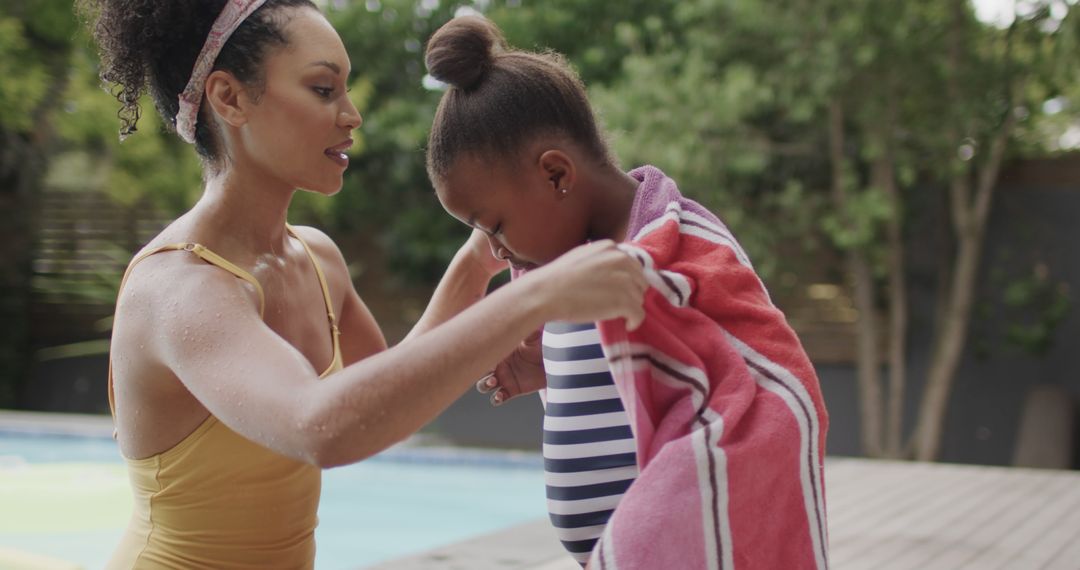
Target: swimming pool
x=68 y=498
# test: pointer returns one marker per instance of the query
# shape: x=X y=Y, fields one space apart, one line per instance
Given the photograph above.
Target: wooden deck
x=897 y=516
x=883 y=515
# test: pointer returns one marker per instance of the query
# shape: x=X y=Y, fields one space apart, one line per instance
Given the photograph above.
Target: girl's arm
x=519 y=374
x=465 y=282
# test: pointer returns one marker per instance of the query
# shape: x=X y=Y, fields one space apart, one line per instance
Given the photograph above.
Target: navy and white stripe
x=590 y=457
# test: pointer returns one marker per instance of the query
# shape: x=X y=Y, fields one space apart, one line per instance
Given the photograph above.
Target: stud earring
x=562 y=191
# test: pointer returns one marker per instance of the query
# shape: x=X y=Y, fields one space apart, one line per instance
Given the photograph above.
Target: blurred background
x=905 y=176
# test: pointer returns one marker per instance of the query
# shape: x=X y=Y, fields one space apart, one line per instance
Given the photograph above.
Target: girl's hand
x=479 y=248
x=592 y=282
x=520 y=373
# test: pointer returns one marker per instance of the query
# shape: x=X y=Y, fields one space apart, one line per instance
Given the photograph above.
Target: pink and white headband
x=232 y=15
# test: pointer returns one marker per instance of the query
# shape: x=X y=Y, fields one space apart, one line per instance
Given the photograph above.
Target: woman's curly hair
x=151 y=45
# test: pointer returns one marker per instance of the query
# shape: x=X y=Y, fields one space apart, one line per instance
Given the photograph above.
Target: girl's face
x=299 y=127
x=528 y=220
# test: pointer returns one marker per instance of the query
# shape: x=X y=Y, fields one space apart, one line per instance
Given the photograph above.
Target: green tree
x=387 y=194
x=34 y=40
x=843 y=117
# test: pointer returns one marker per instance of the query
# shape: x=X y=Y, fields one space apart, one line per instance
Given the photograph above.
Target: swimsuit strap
x=335 y=333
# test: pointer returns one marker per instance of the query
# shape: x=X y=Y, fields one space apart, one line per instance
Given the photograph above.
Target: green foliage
x=23 y=79
x=855 y=225
x=49 y=22
x=1038 y=304
x=595 y=36
x=35 y=43
x=152 y=166
x=729 y=97
x=1030 y=305
x=386 y=193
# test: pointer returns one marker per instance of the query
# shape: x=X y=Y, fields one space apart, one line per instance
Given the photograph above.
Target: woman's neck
x=245 y=210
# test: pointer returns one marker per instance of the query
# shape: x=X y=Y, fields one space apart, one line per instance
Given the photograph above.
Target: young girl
x=243 y=360
x=696 y=441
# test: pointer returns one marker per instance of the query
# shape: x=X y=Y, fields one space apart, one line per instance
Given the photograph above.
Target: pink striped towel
x=725 y=405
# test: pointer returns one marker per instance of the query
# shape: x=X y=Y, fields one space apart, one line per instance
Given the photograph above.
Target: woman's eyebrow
x=328 y=64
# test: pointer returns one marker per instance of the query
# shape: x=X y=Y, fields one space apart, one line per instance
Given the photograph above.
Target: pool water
x=68 y=498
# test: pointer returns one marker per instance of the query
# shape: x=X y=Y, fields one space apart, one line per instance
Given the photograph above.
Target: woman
x=243 y=360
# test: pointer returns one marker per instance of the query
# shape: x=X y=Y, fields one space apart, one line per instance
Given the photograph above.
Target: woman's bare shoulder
x=176 y=282
x=327 y=252
x=317 y=239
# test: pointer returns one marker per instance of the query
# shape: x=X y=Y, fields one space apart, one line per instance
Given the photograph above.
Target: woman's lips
x=337 y=153
x=340 y=158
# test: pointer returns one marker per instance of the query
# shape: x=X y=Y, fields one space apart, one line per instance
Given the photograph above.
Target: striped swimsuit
x=589 y=450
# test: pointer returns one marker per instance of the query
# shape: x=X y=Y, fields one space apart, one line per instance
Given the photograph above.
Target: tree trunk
x=23 y=161
x=867 y=358
x=969 y=218
x=885 y=179
x=18 y=207
x=970 y=225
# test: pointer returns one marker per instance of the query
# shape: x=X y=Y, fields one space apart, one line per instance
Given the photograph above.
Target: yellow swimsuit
x=217 y=499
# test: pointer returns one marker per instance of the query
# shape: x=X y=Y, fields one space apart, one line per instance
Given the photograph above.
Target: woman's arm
x=261 y=387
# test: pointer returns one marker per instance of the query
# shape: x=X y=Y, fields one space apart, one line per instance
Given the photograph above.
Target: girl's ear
x=559 y=169
x=226 y=97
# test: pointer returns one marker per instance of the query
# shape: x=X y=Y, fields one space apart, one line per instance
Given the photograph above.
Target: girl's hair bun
x=463 y=51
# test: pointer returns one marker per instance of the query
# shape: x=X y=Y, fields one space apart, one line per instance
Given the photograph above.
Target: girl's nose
x=497 y=249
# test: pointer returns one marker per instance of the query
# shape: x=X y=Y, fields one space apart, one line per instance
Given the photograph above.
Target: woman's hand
x=592 y=282
x=520 y=373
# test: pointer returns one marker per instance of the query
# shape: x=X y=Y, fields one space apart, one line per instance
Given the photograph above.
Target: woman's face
x=527 y=219
x=299 y=127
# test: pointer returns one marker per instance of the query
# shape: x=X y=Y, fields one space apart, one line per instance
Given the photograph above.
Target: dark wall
x=1035 y=222
x=72 y=385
